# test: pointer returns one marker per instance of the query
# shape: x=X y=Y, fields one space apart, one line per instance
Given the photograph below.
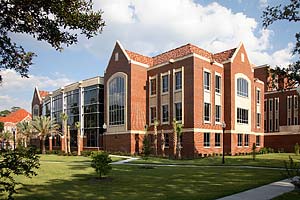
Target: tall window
x=240 y=140
x=217 y=139
x=242 y=116
x=276 y=104
x=218 y=84
x=178 y=111
x=258 y=96
x=207 y=112
x=117 y=101
x=242 y=87
x=258 y=140
x=178 y=80
x=258 y=117
x=152 y=114
x=218 y=113
x=165 y=83
x=206 y=80
x=246 y=143
x=271 y=105
x=166 y=137
x=295 y=102
x=206 y=139
x=36 y=111
x=165 y=113
x=153 y=86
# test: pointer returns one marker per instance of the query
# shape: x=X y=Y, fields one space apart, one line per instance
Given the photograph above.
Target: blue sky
x=150 y=27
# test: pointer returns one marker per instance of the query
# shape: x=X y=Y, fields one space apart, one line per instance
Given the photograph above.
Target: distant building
x=10 y=124
x=82 y=102
x=281 y=111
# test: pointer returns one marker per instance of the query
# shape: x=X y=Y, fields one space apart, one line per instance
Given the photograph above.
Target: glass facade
x=117 y=101
x=57 y=108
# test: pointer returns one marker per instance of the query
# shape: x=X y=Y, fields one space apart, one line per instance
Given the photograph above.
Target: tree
x=44 y=126
x=4 y=113
x=53 y=21
x=253 y=151
x=178 y=132
x=146 y=144
x=100 y=161
x=156 y=123
x=1 y=126
x=15 y=163
x=15 y=108
x=5 y=136
x=64 y=118
x=25 y=129
x=289 y=12
x=77 y=125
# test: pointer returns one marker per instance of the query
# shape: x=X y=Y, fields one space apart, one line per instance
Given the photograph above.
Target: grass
x=71 y=159
x=262 y=160
x=73 y=178
x=294 y=195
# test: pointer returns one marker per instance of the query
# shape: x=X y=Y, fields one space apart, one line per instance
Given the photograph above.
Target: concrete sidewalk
x=265 y=192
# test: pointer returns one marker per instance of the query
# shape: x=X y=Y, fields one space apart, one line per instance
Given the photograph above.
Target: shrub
x=100 y=161
x=292 y=171
x=297 y=149
x=13 y=163
x=253 y=151
x=146 y=146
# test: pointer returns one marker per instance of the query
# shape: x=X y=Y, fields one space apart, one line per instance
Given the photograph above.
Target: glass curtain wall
x=57 y=108
x=93 y=114
x=72 y=110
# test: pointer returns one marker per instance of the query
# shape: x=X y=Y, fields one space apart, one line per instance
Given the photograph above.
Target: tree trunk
x=66 y=138
x=178 y=149
x=162 y=139
x=69 y=146
x=25 y=142
x=78 y=142
x=43 y=145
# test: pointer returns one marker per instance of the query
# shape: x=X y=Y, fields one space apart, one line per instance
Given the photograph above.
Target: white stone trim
x=125 y=132
x=123 y=50
x=138 y=63
x=282 y=133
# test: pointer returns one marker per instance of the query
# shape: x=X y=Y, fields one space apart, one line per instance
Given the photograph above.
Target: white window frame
x=218 y=90
x=218 y=142
x=257 y=142
x=150 y=86
x=175 y=72
x=209 y=113
x=246 y=140
x=239 y=140
x=207 y=87
x=162 y=83
x=258 y=96
x=220 y=111
x=162 y=114
x=206 y=143
x=150 y=114
x=175 y=111
x=243 y=119
x=242 y=89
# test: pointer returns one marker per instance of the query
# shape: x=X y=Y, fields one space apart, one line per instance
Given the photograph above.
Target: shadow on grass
x=131 y=182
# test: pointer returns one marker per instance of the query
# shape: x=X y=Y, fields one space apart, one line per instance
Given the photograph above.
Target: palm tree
x=64 y=118
x=77 y=125
x=162 y=139
x=5 y=137
x=177 y=129
x=44 y=126
x=174 y=136
x=25 y=129
x=156 y=123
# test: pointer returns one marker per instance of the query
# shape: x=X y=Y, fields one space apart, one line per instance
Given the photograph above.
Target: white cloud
x=19 y=91
x=151 y=27
x=263 y=3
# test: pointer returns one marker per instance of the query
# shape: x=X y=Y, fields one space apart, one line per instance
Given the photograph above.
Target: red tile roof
x=43 y=93
x=224 y=55
x=178 y=53
x=16 y=117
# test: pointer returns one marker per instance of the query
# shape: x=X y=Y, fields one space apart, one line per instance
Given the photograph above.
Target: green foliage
x=1 y=126
x=101 y=162
x=266 y=150
x=292 y=170
x=297 y=149
x=146 y=146
x=53 y=21
x=253 y=151
x=4 y=113
x=13 y=163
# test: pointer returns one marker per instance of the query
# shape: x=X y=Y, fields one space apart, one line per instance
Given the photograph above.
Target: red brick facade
x=193 y=62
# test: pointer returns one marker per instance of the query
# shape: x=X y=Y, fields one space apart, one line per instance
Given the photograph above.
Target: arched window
x=116 y=101
x=36 y=111
x=242 y=87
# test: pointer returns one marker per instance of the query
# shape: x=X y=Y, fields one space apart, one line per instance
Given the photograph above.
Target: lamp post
x=14 y=135
x=223 y=154
x=104 y=126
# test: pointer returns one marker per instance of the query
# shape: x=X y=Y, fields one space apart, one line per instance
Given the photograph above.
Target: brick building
x=281 y=122
x=197 y=88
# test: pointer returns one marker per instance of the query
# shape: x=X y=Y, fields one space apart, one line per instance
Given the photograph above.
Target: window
x=246 y=140
x=165 y=113
x=295 y=120
x=178 y=111
x=258 y=140
x=165 y=83
x=206 y=139
x=289 y=102
x=276 y=124
x=240 y=140
x=265 y=106
x=117 y=101
x=152 y=114
x=178 y=80
x=276 y=104
x=265 y=125
x=258 y=96
x=181 y=140
x=166 y=136
x=217 y=139
x=242 y=87
x=270 y=105
x=295 y=102
x=218 y=113
x=218 y=84
x=207 y=112
x=271 y=125
x=289 y=121
x=258 y=117
x=116 y=56
x=36 y=111
x=206 y=80
x=242 y=116
x=153 y=86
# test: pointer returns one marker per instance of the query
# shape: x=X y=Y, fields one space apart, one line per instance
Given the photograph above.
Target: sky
x=150 y=27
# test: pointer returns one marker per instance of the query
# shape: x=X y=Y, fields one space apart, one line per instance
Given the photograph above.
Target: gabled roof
x=180 y=52
x=16 y=116
x=224 y=55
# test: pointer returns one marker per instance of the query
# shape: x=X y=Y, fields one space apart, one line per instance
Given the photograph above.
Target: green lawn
x=264 y=160
x=73 y=178
x=71 y=159
x=294 y=195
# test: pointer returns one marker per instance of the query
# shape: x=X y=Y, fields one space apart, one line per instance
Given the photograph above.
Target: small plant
x=101 y=162
x=146 y=146
x=297 y=149
x=292 y=171
x=253 y=151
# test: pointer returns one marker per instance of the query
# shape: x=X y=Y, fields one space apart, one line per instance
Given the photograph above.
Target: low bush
x=101 y=162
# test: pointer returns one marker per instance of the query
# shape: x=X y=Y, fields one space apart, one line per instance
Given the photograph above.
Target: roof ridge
x=172 y=50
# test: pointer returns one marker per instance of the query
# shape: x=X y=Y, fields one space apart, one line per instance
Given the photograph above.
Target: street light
x=14 y=134
x=104 y=126
x=223 y=154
